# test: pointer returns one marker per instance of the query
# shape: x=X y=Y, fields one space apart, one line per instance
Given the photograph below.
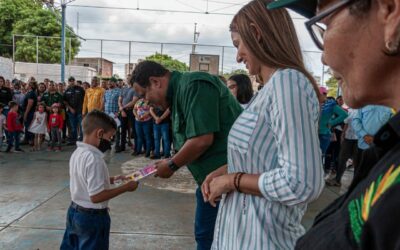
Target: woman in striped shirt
x=274 y=162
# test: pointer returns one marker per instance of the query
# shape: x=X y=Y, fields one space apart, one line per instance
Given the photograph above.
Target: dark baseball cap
x=306 y=8
x=71 y=78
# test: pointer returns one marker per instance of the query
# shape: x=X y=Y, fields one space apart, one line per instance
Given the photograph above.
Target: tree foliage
x=27 y=17
x=332 y=84
x=168 y=62
x=235 y=72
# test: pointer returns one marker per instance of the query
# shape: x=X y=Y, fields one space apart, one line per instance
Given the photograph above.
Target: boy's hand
x=131 y=186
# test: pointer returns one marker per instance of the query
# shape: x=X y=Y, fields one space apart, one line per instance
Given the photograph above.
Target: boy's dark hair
x=146 y=69
x=41 y=104
x=98 y=120
x=12 y=104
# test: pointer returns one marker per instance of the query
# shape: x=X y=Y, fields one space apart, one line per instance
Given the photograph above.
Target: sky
x=161 y=26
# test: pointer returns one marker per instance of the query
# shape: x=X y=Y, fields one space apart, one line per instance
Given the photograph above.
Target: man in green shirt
x=203 y=111
x=52 y=96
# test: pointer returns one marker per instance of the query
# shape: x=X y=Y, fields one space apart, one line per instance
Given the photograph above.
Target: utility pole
x=63 y=9
x=77 y=23
x=195 y=38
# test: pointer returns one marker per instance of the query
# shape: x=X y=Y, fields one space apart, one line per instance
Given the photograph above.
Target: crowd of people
x=53 y=112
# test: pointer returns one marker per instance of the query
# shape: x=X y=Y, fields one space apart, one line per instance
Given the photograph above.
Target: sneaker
x=18 y=150
x=71 y=143
x=330 y=176
x=333 y=183
x=154 y=157
x=8 y=150
x=130 y=144
x=58 y=149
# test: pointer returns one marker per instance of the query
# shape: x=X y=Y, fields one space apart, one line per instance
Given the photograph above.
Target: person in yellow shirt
x=94 y=97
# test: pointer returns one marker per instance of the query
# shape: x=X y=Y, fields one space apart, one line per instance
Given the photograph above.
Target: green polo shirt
x=201 y=104
x=50 y=99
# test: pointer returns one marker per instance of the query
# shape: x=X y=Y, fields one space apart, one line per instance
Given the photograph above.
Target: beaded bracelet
x=236 y=180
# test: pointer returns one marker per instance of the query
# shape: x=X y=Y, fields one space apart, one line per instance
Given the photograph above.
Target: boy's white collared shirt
x=88 y=175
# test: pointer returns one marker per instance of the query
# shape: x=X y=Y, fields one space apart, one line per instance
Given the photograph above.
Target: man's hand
x=205 y=187
x=71 y=110
x=123 y=113
x=163 y=171
x=369 y=139
x=131 y=186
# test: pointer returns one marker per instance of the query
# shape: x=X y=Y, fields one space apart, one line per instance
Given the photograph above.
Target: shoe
x=71 y=143
x=153 y=157
x=58 y=149
x=18 y=150
x=8 y=150
x=130 y=144
x=333 y=183
x=49 y=149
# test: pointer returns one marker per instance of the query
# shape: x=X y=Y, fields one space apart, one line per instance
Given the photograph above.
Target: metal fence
x=123 y=53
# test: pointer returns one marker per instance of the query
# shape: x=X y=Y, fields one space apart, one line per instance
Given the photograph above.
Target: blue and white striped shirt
x=277 y=137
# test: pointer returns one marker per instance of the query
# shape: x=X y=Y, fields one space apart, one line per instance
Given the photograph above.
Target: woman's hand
x=220 y=185
x=205 y=187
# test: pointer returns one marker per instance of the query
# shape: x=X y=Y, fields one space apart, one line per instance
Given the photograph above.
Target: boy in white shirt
x=88 y=220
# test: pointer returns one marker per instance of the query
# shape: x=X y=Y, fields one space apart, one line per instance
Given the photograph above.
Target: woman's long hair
x=279 y=46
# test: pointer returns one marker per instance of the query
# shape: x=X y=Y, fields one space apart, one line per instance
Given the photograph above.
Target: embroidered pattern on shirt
x=360 y=208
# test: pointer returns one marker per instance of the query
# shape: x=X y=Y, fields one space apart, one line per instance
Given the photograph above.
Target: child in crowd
x=14 y=127
x=55 y=127
x=38 y=126
x=2 y=124
x=88 y=220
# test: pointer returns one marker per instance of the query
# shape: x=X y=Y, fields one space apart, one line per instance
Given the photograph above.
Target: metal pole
x=129 y=60
x=162 y=47
x=13 y=55
x=37 y=55
x=63 y=7
x=223 y=54
x=101 y=59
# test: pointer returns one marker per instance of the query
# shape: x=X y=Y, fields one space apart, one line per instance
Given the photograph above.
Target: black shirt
x=30 y=95
x=5 y=95
x=368 y=215
x=159 y=112
x=74 y=96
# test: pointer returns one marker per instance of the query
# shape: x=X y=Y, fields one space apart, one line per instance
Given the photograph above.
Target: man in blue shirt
x=366 y=123
x=111 y=107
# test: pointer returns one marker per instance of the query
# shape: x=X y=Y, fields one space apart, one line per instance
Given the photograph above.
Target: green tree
x=235 y=72
x=168 y=62
x=332 y=84
x=27 y=17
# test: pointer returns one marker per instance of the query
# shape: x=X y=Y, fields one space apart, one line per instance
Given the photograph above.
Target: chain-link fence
x=39 y=56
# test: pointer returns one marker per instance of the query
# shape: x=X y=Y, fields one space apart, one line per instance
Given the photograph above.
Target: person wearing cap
x=73 y=100
x=274 y=161
x=331 y=115
x=94 y=97
x=360 y=40
x=52 y=96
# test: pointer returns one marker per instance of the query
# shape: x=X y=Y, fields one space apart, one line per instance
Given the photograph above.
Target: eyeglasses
x=317 y=29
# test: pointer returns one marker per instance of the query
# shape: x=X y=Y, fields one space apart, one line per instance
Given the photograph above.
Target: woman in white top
x=38 y=126
x=274 y=162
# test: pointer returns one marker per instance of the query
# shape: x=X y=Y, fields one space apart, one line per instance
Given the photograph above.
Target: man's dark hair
x=1 y=105
x=98 y=120
x=146 y=69
x=12 y=104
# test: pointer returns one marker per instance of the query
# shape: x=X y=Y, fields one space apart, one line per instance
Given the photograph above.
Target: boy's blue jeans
x=86 y=230
x=13 y=139
x=161 y=131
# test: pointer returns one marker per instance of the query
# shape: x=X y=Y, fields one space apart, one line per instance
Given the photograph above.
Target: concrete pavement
x=34 y=198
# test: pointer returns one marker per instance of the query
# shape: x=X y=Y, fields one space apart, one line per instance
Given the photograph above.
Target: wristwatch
x=172 y=165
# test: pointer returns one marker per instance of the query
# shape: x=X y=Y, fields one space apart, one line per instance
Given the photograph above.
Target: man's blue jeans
x=143 y=133
x=204 y=224
x=161 y=131
x=75 y=121
x=86 y=231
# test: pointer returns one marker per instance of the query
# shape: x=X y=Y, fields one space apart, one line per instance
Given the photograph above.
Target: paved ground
x=34 y=198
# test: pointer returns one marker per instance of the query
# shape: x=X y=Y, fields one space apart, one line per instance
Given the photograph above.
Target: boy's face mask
x=104 y=145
